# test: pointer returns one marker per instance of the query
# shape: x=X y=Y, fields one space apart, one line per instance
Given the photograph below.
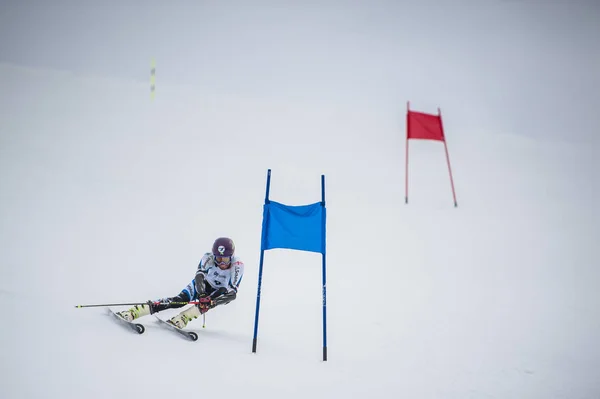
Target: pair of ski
x=139 y=328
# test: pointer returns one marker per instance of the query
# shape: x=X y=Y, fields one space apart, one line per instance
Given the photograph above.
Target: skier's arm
x=200 y=274
x=236 y=275
x=222 y=296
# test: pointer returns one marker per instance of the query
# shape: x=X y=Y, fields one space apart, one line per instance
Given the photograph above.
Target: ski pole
x=111 y=304
x=135 y=303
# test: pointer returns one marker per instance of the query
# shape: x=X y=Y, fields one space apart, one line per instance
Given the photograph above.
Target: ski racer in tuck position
x=216 y=283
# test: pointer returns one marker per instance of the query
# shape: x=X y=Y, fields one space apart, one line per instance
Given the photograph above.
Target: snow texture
x=108 y=197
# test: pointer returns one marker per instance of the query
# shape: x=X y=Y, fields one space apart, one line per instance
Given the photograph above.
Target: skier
x=216 y=283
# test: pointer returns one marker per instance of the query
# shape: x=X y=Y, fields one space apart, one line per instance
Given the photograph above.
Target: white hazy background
x=108 y=197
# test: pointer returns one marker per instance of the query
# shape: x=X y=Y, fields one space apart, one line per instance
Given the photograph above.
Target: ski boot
x=135 y=312
x=182 y=319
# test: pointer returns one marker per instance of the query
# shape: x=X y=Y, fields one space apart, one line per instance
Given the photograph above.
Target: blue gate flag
x=294 y=227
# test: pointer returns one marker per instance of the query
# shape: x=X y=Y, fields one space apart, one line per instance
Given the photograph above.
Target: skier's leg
x=182 y=318
x=159 y=305
x=191 y=291
x=212 y=297
x=173 y=302
x=202 y=290
x=218 y=297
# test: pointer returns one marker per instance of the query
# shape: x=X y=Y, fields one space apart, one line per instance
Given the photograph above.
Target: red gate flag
x=424 y=126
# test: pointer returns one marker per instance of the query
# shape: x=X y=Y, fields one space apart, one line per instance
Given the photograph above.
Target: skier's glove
x=205 y=304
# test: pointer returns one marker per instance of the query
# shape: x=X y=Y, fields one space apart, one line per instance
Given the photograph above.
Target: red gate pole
x=406 y=157
x=448 y=160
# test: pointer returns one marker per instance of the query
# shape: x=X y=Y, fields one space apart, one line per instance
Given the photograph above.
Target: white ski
x=188 y=334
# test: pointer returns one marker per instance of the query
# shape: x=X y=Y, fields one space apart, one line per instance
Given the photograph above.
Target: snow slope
x=108 y=197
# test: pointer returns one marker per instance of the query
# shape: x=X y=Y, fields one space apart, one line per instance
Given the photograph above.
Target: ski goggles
x=222 y=260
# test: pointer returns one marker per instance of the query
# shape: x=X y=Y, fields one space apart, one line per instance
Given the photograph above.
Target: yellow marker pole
x=152 y=79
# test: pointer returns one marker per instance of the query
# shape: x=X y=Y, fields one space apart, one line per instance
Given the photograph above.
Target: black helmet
x=223 y=246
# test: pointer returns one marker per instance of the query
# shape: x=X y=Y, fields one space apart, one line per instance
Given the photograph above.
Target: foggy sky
x=524 y=67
